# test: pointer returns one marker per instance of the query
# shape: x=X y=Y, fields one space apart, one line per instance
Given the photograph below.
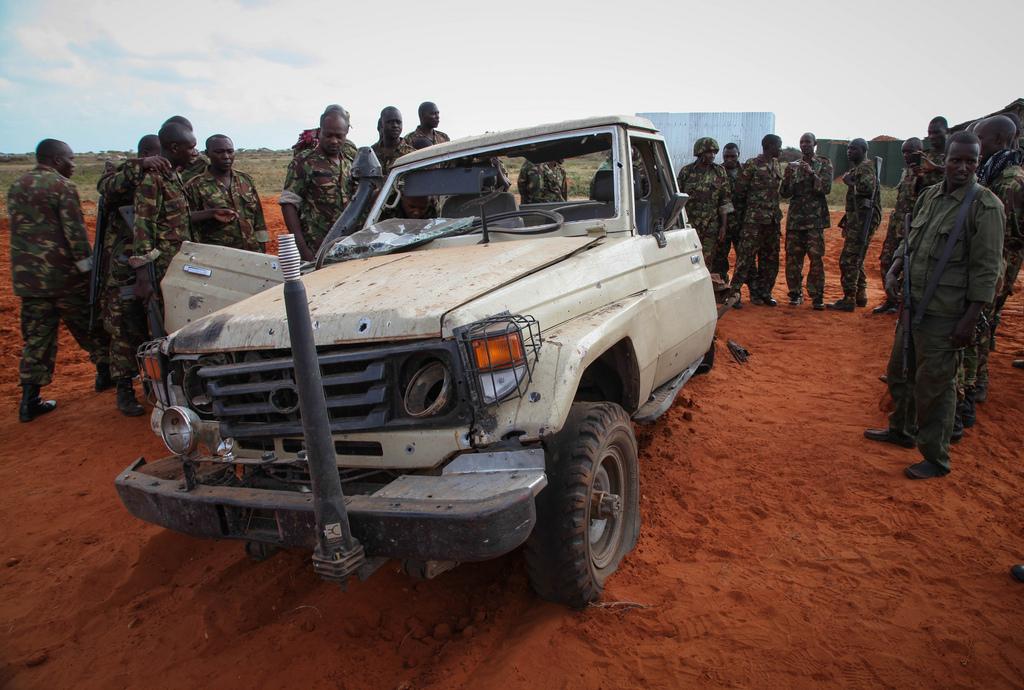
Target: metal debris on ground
x=738 y=352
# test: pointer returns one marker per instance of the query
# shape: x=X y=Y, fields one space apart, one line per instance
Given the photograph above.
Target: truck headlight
x=179 y=428
x=501 y=352
x=428 y=390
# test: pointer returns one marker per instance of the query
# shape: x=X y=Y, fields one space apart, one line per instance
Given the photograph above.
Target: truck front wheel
x=588 y=517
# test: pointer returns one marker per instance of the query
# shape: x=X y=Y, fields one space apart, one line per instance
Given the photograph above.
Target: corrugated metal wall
x=682 y=129
x=890 y=151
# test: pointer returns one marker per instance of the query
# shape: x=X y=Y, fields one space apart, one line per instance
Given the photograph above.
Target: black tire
x=569 y=555
x=708 y=363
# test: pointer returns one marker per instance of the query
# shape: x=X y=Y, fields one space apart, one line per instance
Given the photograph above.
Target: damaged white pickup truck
x=480 y=363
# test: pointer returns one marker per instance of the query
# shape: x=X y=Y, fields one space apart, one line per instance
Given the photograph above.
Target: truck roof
x=495 y=138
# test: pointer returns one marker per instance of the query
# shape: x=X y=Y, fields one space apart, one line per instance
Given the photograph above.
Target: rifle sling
x=947 y=251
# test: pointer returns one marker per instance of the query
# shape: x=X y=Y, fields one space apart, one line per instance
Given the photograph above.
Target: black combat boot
x=819 y=304
x=796 y=300
x=981 y=390
x=126 y=401
x=958 y=427
x=103 y=381
x=31 y=406
x=862 y=299
x=886 y=307
x=844 y=304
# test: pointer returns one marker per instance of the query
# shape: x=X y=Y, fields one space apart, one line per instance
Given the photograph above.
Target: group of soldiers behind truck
x=955 y=238
x=168 y=194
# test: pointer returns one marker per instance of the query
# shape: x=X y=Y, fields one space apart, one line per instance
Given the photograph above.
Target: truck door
x=677 y=279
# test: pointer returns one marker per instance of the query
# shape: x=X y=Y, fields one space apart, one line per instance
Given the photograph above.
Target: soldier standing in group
x=757 y=192
x=123 y=316
x=225 y=206
x=196 y=166
x=863 y=213
x=931 y=169
x=50 y=264
x=731 y=163
x=426 y=130
x=807 y=183
x=949 y=286
x=1002 y=172
x=390 y=146
x=542 y=183
x=710 y=204
x=315 y=187
x=909 y=187
x=161 y=220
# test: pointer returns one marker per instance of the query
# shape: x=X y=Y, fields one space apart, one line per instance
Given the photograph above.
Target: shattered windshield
x=393 y=235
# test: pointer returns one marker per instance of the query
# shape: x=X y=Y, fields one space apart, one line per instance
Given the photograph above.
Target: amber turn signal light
x=498 y=351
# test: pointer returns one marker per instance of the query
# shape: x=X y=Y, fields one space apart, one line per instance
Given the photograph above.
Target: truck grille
x=254 y=398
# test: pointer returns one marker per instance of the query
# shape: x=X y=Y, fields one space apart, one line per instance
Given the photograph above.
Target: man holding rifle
x=863 y=213
x=951 y=256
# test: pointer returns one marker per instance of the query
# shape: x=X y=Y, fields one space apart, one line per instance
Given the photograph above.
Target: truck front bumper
x=480 y=507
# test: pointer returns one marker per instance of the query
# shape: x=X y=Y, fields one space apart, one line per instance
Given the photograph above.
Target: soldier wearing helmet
x=710 y=204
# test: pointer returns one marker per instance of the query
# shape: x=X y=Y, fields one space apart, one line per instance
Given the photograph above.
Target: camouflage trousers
x=851 y=262
x=40 y=321
x=724 y=246
x=708 y=243
x=889 y=245
x=757 y=259
x=809 y=242
x=125 y=321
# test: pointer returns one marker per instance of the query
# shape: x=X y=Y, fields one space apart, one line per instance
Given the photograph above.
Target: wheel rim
x=604 y=533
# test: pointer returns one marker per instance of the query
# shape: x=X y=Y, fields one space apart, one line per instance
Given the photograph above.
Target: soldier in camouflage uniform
x=309 y=138
x=426 y=130
x=731 y=163
x=542 y=182
x=50 y=264
x=316 y=187
x=910 y=185
x=161 y=217
x=1001 y=172
x=806 y=184
x=710 y=202
x=225 y=206
x=390 y=146
x=123 y=315
x=757 y=193
x=863 y=207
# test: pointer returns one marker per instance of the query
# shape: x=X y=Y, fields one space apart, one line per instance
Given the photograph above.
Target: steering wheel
x=554 y=223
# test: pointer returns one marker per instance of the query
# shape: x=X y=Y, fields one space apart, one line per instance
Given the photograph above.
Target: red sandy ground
x=778 y=549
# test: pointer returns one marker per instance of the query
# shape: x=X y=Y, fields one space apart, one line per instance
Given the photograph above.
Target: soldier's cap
x=704 y=144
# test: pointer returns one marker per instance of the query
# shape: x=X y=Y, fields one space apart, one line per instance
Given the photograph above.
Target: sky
x=99 y=75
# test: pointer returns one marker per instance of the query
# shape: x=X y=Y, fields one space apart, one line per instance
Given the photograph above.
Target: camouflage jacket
x=348 y=150
x=757 y=189
x=195 y=168
x=117 y=187
x=935 y=176
x=906 y=196
x=248 y=231
x=436 y=137
x=808 y=194
x=387 y=157
x=319 y=187
x=543 y=182
x=1009 y=187
x=710 y=192
x=161 y=219
x=50 y=252
x=863 y=187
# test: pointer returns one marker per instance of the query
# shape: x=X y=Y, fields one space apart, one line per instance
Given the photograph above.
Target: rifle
x=98 y=269
x=905 y=308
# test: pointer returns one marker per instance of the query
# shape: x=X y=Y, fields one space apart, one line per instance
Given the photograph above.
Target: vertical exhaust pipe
x=338 y=554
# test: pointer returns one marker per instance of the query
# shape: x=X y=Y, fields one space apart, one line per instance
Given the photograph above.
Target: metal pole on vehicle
x=338 y=554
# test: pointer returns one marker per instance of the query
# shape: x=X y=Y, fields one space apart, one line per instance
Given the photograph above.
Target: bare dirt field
x=778 y=548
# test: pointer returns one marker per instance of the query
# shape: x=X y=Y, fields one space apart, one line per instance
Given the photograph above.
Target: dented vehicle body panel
x=614 y=307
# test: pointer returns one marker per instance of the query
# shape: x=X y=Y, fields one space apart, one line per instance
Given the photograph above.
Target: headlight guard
x=500 y=353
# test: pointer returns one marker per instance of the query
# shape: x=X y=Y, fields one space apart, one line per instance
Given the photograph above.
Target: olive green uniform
x=928 y=384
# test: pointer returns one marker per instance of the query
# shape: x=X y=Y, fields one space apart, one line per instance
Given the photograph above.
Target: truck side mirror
x=675 y=207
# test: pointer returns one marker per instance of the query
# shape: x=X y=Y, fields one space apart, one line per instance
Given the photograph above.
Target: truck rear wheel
x=588 y=517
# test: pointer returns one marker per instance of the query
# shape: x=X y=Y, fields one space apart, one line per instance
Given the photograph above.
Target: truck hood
x=399 y=296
